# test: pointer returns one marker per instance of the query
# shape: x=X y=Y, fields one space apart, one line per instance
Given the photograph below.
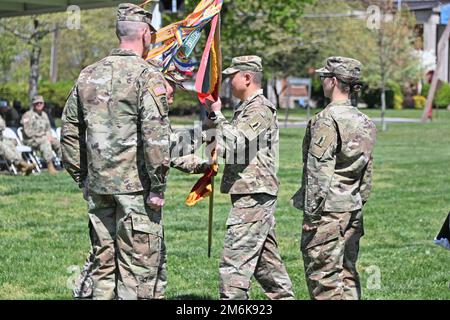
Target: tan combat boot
x=51 y=167
x=26 y=168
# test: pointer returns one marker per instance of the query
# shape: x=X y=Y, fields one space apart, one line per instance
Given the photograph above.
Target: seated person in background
x=17 y=105
x=37 y=132
x=8 y=152
x=9 y=114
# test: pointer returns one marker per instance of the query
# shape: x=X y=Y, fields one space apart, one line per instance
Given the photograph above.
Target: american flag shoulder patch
x=159 y=90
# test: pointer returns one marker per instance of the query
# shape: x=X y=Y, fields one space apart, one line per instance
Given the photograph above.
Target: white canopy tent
x=11 y=8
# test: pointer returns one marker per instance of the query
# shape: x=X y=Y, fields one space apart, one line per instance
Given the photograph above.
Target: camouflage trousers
x=250 y=248
x=329 y=255
x=46 y=147
x=128 y=255
x=8 y=150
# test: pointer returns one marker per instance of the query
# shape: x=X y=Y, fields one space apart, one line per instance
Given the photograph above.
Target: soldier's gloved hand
x=155 y=201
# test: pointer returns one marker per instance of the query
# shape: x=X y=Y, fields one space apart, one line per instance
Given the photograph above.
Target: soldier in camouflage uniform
x=188 y=163
x=120 y=105
x=249 y=144
x=337 y=176
x=37 y=132
x=115 y=139
x=9 y=153
x=183 y=142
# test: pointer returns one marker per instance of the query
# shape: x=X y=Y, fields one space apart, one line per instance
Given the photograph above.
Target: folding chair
x=58 y=133
x=41 y=162
x=8 y=166
x=26 y=152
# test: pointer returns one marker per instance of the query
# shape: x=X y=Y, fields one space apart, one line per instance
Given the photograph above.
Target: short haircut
x=129 y=30
x=257 y=77
x=342 y=86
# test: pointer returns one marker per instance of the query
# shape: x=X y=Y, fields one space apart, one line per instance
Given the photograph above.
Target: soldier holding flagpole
x=249 y=143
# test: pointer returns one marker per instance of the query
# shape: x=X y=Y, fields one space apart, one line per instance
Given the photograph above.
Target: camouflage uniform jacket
x=35 y=125
x=250 y=142
x=115 y=127
x=337 y=161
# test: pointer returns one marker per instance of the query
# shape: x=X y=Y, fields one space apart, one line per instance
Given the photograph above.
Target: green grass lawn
x=375 y=113
x=296 y=114
x=43 y=228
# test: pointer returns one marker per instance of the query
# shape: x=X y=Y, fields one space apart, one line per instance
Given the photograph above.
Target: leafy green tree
x=268 y=28
x=394 y=58
x=31 y=30
x=293 y=37
x=91 y=42
x=29 y=39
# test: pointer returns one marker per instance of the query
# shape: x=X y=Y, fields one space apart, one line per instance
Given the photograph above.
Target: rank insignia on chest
x=255 y=125
x=320 y=141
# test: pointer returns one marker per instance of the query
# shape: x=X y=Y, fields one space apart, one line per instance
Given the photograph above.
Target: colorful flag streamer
x=180 y=38
x=178 y=41
x=209 y=76
x=207 y=85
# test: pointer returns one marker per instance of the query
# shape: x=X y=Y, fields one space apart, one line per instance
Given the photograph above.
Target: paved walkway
x=302 y=123
x=298 y=122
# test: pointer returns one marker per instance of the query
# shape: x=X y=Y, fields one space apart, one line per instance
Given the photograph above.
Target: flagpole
x=210 y=218
x=217 y=36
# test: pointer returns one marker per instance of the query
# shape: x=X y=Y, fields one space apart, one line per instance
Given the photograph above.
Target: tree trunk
x=54 y=57
x=275 y=91
x=383 y=78
x=383 y=108
x=34 y=71
x=278 y=102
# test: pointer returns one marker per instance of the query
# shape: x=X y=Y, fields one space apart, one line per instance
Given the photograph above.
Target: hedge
x=185 y=102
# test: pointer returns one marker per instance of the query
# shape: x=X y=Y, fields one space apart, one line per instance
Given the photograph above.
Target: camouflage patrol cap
x=244 y=63
x=37 y=99
x=348 y=68
x=132 y=12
